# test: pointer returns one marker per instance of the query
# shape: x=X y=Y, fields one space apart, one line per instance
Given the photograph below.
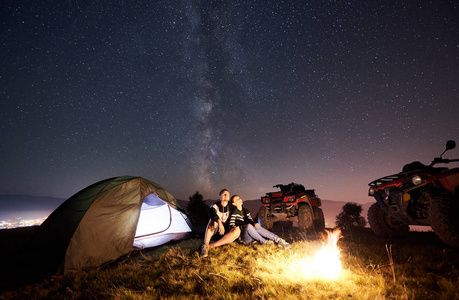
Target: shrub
x=349 y=218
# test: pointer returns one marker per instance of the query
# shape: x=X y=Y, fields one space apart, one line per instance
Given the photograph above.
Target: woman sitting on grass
x=251 y=231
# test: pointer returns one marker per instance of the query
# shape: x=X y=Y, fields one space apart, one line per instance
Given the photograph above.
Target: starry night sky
x=205 y=95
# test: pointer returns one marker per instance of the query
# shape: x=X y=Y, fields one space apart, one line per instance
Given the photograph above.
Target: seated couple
x=236 y=222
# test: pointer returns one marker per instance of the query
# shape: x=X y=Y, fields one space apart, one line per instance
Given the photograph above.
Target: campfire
x=315 y=263
x=327 y=261
x=323 y=264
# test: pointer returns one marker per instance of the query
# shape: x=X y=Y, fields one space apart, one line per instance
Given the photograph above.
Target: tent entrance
x=155 y=217
x=159 y=223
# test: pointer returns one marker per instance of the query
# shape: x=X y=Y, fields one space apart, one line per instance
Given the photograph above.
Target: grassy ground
x=416 y=267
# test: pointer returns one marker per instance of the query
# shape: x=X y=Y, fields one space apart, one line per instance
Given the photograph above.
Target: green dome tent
x=105 y=221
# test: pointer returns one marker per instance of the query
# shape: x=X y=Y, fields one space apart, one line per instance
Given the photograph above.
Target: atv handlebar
x=439 y=160
x=447 y=161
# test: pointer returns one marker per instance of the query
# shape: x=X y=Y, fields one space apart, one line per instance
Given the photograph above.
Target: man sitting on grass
x=219 y=223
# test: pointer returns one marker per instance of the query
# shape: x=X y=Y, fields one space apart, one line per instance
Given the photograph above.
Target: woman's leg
x=267 y=234
x=245 y=236
x=254 y=234
x=273 y=237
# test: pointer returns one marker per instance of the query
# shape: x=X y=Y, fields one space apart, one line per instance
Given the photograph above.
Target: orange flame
x=333 y=236
x=327 y=260
x=323 y=264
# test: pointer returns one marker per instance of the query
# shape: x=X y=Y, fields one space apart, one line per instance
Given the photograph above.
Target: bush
x=197 y=209
x=349 y=218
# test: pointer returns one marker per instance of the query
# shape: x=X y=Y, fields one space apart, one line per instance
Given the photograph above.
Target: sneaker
x=282 y=243
x=240 y=241
x=204 y=250
x=269 y=242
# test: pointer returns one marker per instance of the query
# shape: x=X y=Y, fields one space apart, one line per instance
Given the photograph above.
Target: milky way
x=202 y=95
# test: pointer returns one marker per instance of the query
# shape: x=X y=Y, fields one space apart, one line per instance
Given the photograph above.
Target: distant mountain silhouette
x=28 y=207
x=31 y=207
x=330 y=208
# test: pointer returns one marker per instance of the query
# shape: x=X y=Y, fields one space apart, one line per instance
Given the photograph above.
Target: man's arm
x=215 y=218
x=221 y=227
x=213 y=213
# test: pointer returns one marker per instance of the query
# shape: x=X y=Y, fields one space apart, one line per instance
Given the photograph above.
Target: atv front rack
x=386 y=179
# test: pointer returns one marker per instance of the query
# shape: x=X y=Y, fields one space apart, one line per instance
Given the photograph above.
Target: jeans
x=260 y=234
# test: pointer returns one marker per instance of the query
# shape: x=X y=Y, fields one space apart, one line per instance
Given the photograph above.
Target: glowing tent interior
x=106 y=220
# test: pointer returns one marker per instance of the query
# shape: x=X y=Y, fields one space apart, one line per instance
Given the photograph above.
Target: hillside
x=418 y=266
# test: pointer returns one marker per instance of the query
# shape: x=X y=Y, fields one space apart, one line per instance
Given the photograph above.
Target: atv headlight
x=371 y=192
x=416 y=180
x=290 y=199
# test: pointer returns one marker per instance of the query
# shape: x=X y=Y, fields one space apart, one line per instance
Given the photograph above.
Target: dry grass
x=416 y=268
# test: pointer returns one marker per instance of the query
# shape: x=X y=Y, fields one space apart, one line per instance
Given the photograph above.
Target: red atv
x=292 y=203
x=419 y=195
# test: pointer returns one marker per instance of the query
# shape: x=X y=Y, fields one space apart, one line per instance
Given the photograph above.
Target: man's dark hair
x=221 y=192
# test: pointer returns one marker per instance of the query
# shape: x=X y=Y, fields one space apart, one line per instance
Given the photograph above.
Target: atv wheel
x=443 y=215
x=265 y=220
x=384 y=225
x=305 y=218
x=319 y=221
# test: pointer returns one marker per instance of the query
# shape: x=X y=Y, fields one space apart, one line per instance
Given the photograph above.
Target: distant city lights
x=20 y=223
